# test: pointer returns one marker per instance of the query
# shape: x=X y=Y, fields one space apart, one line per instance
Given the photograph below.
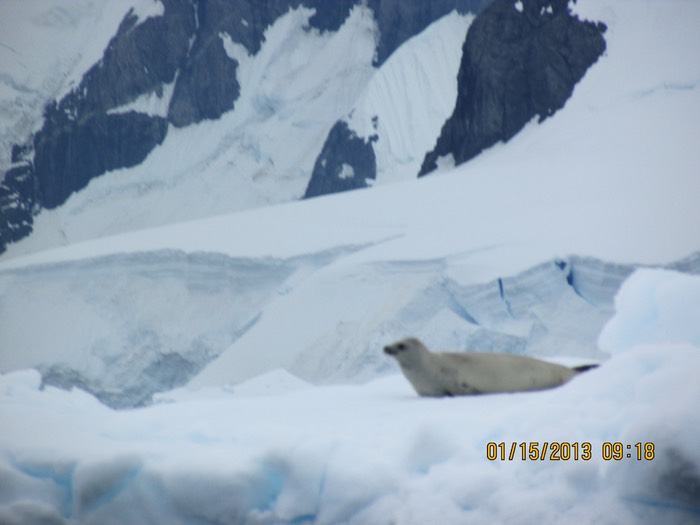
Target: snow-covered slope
x=292 y=90
x=389 y=112
x=261 y=153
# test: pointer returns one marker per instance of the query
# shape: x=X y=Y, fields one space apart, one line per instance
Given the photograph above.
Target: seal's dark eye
x=401 y=347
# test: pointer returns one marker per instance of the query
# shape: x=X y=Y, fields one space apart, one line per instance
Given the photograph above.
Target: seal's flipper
x=584 y=368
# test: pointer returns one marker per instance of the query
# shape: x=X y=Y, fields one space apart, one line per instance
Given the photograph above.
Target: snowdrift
x=377 y=453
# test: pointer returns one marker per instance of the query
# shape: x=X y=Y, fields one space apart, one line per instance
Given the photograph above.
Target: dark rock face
x=140 y=59
x=516 y=64
x=80 y=138
x=17 y=202
x=397 y=21
x=198 y=95
x=83 y=137
x=89 y=147
x=346 y=162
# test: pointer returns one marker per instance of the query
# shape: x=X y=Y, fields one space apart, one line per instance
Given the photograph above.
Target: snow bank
x=126 y=326
x=374 y=453
x=654 y=306
x=328 y=325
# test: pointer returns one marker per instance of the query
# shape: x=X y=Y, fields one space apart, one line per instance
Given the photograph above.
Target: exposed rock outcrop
x=180 y=58
x=397 y=21
x=521 y=60
x=346 y=162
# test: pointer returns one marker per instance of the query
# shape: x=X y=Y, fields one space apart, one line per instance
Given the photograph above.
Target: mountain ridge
x=183 y=47
x=519 y=61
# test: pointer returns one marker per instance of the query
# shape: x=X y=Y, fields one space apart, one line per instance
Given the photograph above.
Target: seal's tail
x=584 y=368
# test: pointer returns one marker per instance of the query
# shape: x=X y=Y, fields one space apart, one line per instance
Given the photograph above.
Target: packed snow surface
x=376 y=453
x=663 y=306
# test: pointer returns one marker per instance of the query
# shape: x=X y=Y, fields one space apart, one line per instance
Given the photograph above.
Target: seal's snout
x=396 y=348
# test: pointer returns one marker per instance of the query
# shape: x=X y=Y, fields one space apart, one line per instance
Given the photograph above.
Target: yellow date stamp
x=567 y=451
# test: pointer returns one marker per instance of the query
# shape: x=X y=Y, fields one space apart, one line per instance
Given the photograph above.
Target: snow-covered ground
x=275 y=450
x=275 y=317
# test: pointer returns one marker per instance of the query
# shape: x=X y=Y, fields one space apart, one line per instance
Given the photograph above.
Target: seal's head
x=405 y=350
x=416 y=364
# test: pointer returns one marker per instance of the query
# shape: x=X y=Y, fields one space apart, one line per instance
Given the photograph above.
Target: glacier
x=127 y=326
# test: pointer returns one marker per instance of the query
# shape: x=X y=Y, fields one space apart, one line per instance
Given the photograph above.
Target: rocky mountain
x=518 y=63
x=191 y=62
